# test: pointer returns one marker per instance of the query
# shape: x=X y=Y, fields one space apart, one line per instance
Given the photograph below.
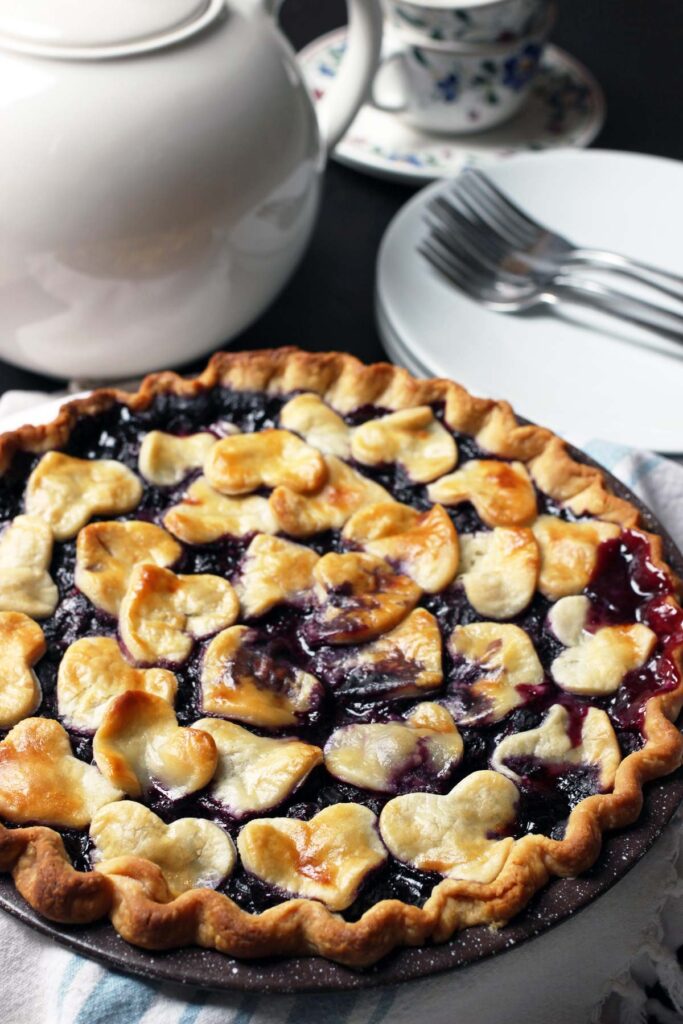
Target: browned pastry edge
x=134 y=892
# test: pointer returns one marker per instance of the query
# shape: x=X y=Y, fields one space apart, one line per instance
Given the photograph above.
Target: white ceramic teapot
x=160 y=174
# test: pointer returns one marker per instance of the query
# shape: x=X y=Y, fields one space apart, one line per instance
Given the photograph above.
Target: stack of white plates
x=579 y=372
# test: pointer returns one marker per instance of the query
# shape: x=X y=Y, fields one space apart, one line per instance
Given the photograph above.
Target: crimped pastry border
x=133 y=892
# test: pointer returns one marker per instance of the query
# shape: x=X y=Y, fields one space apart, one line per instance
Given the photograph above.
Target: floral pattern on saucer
x=566 y=108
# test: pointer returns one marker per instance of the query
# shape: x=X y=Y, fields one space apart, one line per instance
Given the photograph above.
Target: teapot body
x=152 y=204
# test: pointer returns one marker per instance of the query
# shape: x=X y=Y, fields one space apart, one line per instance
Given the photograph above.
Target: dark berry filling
x=625 y=581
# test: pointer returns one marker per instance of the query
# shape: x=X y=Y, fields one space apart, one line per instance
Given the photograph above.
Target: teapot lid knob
x=72 y=29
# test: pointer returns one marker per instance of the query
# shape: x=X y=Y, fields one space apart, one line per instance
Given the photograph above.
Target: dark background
x=633 y=47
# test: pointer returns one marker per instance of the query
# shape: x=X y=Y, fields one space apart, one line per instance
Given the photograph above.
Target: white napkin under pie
x=608 y=965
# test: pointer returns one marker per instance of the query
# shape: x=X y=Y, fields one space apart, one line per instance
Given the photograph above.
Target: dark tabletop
x=633 y=47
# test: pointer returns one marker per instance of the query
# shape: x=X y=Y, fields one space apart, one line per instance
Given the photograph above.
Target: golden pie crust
x=133 y=891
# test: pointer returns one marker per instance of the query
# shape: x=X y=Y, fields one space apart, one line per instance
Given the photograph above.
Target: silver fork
x=536 y=245
x=464 y=258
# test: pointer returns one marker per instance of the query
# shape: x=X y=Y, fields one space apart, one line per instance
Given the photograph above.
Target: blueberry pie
x=305 y=656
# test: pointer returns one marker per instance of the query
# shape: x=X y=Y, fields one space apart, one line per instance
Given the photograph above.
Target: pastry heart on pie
x=25 y=583
x=555 y=743
x=501 y=492
x=22 y=644
x=594 y=664
x=166 y=459
x=274 y=571
x=318 y=424
x=359 y=597
x=401 y=663
x=204 y=515
x=422 y=545
x=140 y=744
x=93 y=671
x=107 y=553
x=272 y=458
x=161 y=614
x=191 y=852
x=492 y=661
x=256 y=773
x=457 y=835
x=568 y=553
x=242 y=679
x=412 y=437
x=419 y=752
x=41 y=780
x=345 y=491
x=499 y=570
x=67 y=492
x=326 y=858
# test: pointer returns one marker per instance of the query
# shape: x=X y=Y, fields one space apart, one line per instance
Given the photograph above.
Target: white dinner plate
x=581 y=373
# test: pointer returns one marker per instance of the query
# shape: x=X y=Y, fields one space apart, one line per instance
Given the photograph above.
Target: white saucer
x=566 y=108
x=581 y=373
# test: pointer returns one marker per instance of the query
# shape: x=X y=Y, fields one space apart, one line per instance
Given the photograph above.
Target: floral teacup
x=466 y=21
x=455 y=87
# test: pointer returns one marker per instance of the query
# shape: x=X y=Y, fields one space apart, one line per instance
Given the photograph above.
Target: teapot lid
x=72 y=29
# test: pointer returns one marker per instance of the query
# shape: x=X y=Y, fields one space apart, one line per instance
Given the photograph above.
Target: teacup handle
x=342 y=101
x=392 y=66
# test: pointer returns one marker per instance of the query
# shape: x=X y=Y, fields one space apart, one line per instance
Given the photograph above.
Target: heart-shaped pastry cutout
x=140 y=744
x=501 y=492
x=499 y=569
x=359 y=597
x=419 y=752
x=41 y=780
x=274 y=571
x=345 y=491
x=25 y=555
x=204 y=515
x=402 y=663
x=256 y=773
x=166 y=459
x=22 y=644
x=271 y=458
x=107 y=553
x=243 y=679
x=569 y=553
x=93 y=671
x=455 y=834
x=414 y=438
x=161 y=614
x=191 y=852
x=326 y=858
x=495 y=670
x=595 y=664
x=67 y=492
x=423 y=545
x=318 y=424
x=562 y=740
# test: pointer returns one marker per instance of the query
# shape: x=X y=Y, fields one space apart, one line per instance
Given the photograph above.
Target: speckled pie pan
x=556 y=902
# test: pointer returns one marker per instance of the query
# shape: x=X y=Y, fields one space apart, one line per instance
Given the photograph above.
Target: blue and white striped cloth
x=41 y=982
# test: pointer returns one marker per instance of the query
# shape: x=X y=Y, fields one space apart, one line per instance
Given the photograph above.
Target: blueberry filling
x=626 y=586
x=625 y=581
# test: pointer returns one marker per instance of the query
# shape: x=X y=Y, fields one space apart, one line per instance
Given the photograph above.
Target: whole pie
x=305 y=656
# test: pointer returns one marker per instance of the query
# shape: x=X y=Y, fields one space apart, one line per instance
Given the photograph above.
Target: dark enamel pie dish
x=325 y=670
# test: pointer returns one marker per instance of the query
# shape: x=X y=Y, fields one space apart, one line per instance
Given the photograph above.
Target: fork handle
x=619 y=304
x=601 y=259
